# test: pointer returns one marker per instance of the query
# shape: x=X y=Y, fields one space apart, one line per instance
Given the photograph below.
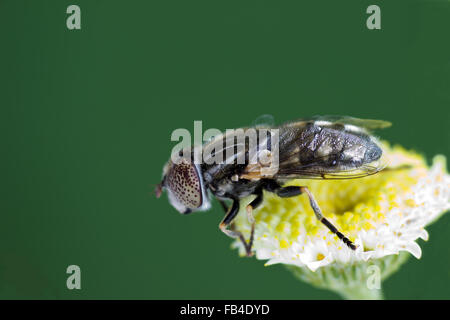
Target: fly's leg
x=250 y=207
x=224 y=205
x=291 y=191
x=229 y=217
x=324 y=220
x=253 y=205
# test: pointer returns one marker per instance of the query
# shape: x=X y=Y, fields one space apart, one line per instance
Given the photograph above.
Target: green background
x=86 y=118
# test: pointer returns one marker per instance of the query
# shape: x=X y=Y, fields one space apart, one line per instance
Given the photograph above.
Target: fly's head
x=184 y=184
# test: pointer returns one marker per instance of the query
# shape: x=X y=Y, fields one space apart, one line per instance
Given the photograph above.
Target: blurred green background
x=86 y=118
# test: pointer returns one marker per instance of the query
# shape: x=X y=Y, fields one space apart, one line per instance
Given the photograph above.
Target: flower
x=383 y=214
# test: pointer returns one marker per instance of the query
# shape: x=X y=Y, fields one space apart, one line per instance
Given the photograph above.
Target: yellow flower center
x=351 y=205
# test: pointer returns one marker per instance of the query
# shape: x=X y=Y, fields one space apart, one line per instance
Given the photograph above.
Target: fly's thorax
x=231 y=188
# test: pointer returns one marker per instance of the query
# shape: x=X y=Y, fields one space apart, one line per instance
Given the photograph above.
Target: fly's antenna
x=158 y=190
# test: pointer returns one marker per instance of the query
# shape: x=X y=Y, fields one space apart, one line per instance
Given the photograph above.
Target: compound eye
x=183 y=181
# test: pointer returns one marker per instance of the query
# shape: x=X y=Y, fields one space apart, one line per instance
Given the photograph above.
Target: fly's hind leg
x=291 y=191
x=324 y=220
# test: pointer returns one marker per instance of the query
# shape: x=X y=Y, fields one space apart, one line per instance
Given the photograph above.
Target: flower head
x=383 y=214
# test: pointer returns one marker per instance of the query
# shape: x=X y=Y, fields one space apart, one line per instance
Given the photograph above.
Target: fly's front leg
x=229 y=217
x=291 y=191
x=224 y=205
x=250 y=207
x=253 y=205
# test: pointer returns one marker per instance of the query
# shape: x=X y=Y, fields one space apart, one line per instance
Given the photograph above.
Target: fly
x=330 y=147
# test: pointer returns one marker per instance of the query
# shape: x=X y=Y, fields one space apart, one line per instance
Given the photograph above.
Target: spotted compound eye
x=183 y=182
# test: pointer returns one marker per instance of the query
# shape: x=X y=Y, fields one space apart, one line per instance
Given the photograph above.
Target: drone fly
x=330 y=147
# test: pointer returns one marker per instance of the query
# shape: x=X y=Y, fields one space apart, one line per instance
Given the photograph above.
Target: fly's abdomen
x=337 y=148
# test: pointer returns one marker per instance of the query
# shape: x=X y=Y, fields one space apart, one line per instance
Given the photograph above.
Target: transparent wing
x=264 y=121
x=368 y=124
x=292 y=166
x=312 y=172
x=305 y=172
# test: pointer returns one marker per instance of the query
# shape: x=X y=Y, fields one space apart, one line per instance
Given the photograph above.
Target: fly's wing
x=289 y=172
x=314 y=167
x=290 y=168
x=367 y=124
x=301 y=171
x=264 y=121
